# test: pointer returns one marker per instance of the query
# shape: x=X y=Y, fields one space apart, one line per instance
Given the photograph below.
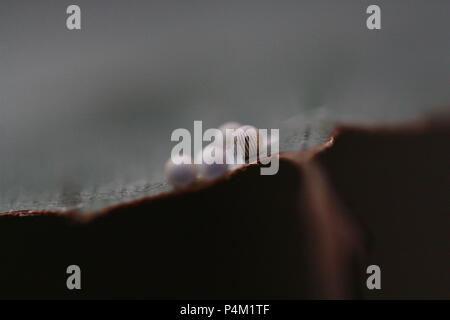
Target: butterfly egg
x=231 y=125
x=249 y=141
x=180 y=171
x=210 y=169
x=213 y=162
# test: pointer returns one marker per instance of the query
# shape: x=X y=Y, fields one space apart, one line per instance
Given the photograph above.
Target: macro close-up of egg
x=237 y=146
x=180 y=171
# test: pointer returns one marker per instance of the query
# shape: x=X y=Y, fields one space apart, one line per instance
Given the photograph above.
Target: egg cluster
x=245 y=143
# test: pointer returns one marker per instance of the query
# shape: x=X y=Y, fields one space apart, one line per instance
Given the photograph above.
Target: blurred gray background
x=86 y=116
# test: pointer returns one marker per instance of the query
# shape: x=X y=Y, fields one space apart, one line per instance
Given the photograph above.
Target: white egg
x=210 y=167
x=180 y=171
x=249 y=141
x=228 y=139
